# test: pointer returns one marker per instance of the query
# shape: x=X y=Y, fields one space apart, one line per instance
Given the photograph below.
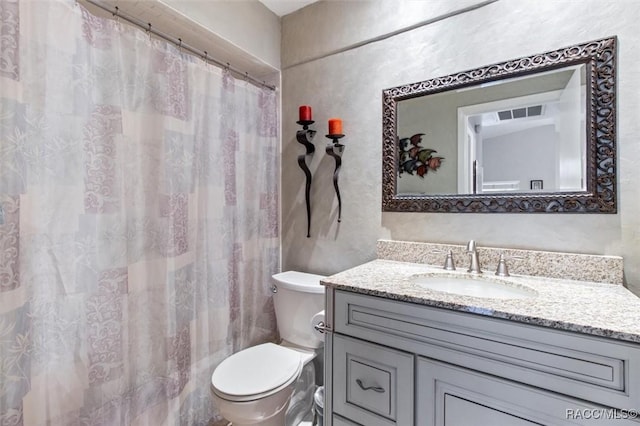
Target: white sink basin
x=473 y=286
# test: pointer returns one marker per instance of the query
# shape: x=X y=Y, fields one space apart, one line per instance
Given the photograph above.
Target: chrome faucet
x=474 y=263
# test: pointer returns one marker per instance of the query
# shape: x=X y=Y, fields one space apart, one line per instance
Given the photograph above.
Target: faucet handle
x=502 y=270
x=449 y=263
x=471 y=246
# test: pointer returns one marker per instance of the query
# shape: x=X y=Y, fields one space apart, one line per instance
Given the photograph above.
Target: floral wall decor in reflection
x=412 y=157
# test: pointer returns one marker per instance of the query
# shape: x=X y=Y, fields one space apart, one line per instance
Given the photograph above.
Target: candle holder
x=305 y=136
x=335 y=150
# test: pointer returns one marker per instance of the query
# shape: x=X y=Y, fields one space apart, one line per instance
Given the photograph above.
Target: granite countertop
x=598 y=309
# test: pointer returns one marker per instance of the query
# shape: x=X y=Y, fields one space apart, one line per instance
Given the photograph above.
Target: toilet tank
x=298 y=298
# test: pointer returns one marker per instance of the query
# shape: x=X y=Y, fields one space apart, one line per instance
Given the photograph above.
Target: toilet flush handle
x=321 y=327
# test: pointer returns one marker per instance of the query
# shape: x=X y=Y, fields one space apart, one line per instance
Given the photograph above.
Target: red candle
x=335 y=126
x=305 y=113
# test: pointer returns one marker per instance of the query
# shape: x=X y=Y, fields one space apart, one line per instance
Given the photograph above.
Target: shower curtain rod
x=178 y=42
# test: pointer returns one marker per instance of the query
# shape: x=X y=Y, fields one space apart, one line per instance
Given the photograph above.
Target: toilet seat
x=256 y=372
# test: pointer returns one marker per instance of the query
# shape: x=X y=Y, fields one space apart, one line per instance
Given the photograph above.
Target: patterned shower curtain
x=139 y=225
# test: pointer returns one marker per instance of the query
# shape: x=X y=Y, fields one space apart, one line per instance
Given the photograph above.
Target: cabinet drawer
x=596 y=369
x=373 y=385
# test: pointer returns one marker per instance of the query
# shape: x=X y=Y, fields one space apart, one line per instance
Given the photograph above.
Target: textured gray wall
x=248 y=25
x=350 y=84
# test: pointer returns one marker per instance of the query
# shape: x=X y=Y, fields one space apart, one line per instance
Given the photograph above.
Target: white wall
x=571 y=132
x=523 y=156
x=349 y=85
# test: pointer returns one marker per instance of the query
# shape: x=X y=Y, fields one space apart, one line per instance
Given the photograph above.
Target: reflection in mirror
x=535 y=134
x=508 y=134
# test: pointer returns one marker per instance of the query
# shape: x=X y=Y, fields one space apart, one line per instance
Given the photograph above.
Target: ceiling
x=284 y=7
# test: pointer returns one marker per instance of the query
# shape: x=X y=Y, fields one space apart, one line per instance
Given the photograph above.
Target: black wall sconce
x=305 y=136
x=335 y=150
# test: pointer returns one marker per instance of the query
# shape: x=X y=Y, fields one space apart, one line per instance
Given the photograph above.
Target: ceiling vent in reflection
x=510 y=114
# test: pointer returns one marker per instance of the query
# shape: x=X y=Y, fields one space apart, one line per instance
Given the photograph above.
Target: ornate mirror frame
x=599 y=56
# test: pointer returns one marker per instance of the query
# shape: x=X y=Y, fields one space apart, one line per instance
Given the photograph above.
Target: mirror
x=535 y=134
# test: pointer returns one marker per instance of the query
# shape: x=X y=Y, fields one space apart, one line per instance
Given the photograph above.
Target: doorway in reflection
x=530 y=143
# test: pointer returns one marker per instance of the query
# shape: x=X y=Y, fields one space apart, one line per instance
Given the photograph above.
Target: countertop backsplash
x=570 y=266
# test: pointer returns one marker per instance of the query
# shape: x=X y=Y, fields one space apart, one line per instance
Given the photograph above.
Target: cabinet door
x=459 y=411
x=447 y=395
x=339 y=421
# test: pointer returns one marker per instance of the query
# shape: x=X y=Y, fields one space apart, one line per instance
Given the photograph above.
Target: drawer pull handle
x=366 y=388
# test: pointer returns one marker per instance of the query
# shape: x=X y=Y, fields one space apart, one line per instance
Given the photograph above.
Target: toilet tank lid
x=299 y=281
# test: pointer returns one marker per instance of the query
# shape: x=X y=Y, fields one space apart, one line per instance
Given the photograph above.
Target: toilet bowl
x=254 y=386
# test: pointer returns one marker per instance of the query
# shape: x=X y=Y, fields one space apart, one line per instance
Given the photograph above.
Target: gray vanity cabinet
x=397 y=363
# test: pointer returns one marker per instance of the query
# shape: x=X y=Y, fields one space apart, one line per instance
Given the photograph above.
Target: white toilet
x=254 y=386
